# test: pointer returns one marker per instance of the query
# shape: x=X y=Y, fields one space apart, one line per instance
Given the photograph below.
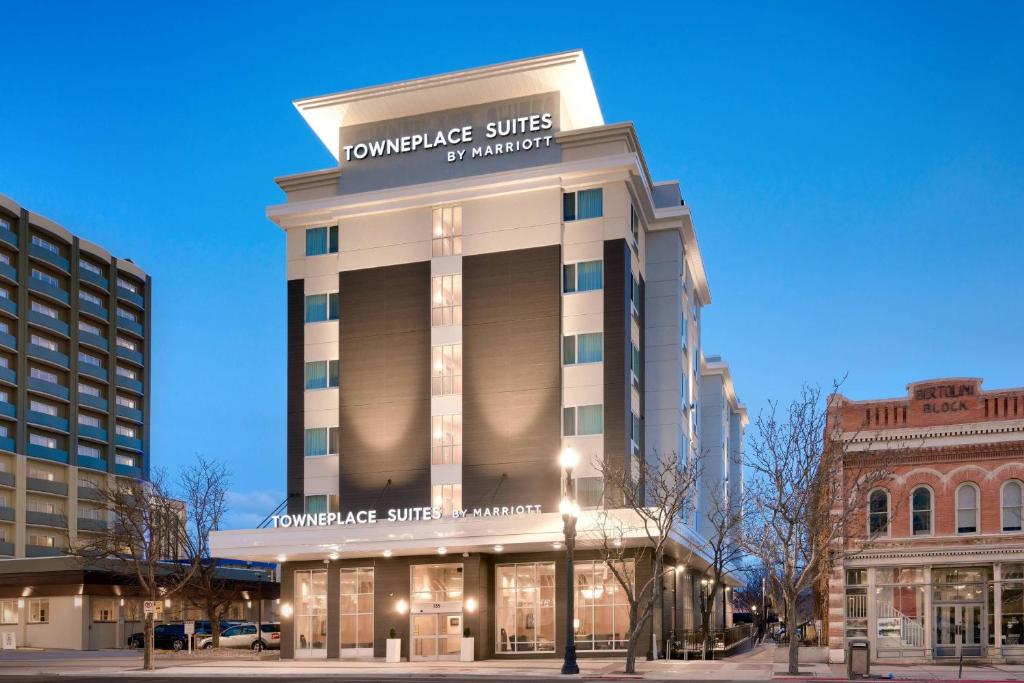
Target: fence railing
x=689 y=642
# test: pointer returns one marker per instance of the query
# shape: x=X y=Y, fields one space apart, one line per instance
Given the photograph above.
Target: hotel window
x=316 y=504
x=39 y=473
x=90 y=390
x=86 y=295
x=446 y=440
x=42 y=540
x=129 y=344
x=602 y=611
x=45 y=244
x=634 y=363
x=634 y=431
x=127 y=402
x=583 y=420
x=321 y=441
x=584 y=276
x=321 y=307
x=42 y=440
x=967 y=509
x=634 y=224
x=583 y=348
x=435 y=583
x=310 y=610
x=446 y=300
x=589 y=492
x=89 y=328
x=5 y=225
x=525 y=601
x=634 y=295
x=43 y=375
x=5 y=293
x=47 y=507
x=446 y=498
x=5 y=395
x=43 y=407
x=447 y=231
x=85 y=264
x=45 y=342
x=127 y=314
x=103 y=609
x=89 y=451
x=321 y=374
x=39 y=610
x=583 y=204
x=5 y=326
x=878 y=513
x=90 y=359
x=127 y=372
x=8 y=611
x=921 y=511
x=5 y=257
x=357 y=610
x=1013 y=505
x=321 y=241
x=446 y=370
x=130 y=285
x=127 y=431
x=125 y=460
x=43 y=309
x=45 y=278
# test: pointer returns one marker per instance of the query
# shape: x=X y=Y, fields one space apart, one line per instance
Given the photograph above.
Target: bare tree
x=142 y=542
x=648 y=509
x=204 y=489
x=723 y=550
x=805 y=497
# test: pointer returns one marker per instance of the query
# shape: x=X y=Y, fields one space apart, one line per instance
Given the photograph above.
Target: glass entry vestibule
x=436 y=594
x=960 y=615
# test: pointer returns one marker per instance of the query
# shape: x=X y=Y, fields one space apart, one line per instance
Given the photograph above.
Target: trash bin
x=858 y=658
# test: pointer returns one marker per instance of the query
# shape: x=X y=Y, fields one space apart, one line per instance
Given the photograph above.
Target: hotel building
x=488 y=276
x=936 y=568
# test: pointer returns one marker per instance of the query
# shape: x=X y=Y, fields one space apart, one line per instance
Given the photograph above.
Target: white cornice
x=1000 y=431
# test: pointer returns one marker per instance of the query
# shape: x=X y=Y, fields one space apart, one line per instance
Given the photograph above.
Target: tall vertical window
x=310 y=610
x=446 y=370
x=634 y=362
x=321 y=374
x=634 y=435
x=583 y=420
x=634 y=224
x=447 y=498
x=967 y=509
x=8 y=611
x=525 y=602
x=447 y=231
x=583 y=204
x=316 y=504
x=583 y=348
x=446 y=440
x=321 y=441
x=921 y=511
x=356 y=611
x=583 y=276
x=321 y=241
x=602 y=610
x=321 y=307
x=1013 y=505
x=878 y=513
x=446 y=300
x=634 y=295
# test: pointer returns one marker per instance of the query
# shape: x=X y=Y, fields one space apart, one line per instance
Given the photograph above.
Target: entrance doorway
x=959 y=630
x=436 y=636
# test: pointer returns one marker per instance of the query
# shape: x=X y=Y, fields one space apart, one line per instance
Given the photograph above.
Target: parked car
x=244 y=636
x=172 y=636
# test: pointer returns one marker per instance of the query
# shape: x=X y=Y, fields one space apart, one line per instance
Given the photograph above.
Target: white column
x=997 y=607
x=929 y=618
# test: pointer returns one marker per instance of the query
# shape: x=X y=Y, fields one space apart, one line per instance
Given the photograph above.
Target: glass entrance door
x=959 y=630
x=436 y=636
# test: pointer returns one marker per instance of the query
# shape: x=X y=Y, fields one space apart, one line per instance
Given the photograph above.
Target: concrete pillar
x=929 y=618
x=20 y=504
x=872 y=612
x=997 y=606
x=333 y=610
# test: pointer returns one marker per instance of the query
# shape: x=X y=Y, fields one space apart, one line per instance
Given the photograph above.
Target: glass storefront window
x=960 y=584
x=602 y=610
x=310 y=610
x=357 y=611
x=1013 y=614
x=436 y=583
x=900 y=621
x=525 y=600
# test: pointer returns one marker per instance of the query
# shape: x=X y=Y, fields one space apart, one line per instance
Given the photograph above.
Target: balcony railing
x=684 y=643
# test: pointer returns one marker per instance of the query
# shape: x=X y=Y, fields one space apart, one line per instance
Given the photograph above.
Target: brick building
x=939 y=569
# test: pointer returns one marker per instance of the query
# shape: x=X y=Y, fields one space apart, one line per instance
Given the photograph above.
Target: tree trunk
x=148 y=637
x=794 y=642
x=214 y=613
x=631 y=647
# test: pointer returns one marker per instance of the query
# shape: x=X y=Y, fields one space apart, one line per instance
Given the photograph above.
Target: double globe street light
x=570 y=511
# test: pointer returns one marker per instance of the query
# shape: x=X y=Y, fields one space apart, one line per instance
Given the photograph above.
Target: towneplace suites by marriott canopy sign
x=485 y=138
x=416 y=514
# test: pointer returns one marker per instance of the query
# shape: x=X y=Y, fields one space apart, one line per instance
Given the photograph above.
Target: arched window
x=921 y=511
x=1013 y=505
x=878 y=513
x=967 y=509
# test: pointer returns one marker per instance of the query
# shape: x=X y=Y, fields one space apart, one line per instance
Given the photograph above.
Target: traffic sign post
x=190 y=631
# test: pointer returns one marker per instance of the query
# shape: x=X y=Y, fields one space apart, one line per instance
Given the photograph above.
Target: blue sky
x=855 y=173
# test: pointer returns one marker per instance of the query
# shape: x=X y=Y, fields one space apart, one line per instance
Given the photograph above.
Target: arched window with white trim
x=921 y=511
x=967 y=509
x=878 y=513
x=1013 y=505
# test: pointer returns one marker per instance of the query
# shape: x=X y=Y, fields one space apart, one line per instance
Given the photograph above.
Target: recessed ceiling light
x=498 y=548
x=282 y=558
x=442 y=551
x=333 y=556
x=387 y=553
x=556 y=545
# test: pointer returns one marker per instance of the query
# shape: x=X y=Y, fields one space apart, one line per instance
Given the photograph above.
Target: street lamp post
x=570 y=511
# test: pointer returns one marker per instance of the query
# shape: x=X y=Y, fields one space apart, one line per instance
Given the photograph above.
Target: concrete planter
x=466 y=654
x=394 y=650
